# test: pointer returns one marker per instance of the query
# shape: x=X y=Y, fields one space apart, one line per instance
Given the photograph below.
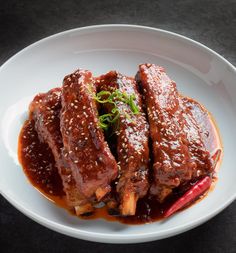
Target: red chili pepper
x=195 y=191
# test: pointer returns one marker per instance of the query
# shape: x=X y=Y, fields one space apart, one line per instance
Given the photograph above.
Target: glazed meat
x=89 y=157
x=132 y=142
x=204 y=146
x=178 y=151
x=45 y=111
x=195 y=135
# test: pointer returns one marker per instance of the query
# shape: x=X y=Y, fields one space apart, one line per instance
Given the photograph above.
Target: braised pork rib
x=92 y=164
x=132 y=142
x=178 y=151
x=45 y=111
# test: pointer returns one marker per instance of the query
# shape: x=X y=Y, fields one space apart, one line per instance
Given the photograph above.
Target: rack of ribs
x=132 y=142
x=178 y=152
x=85 y=149
x=45 y=112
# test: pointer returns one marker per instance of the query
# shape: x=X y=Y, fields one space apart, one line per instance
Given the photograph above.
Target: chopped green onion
x=113 y=98
x=132 y=105
x=103 y=92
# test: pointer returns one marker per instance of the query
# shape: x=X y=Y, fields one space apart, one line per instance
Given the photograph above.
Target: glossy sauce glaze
x=39 y=166
x=38 y=162
x=132 y=147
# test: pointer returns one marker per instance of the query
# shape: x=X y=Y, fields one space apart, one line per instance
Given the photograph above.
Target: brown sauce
x=38 y=162
x=39 y=166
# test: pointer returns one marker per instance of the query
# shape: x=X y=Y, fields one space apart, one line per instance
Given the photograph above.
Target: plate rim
x=105 y=237
x=90 y=27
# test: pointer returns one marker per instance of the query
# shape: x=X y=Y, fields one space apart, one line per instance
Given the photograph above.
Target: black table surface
x=212 y=23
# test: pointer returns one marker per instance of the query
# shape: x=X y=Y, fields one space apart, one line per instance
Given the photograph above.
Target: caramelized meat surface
x=92 y=164
x=132 y=142
x=204 y=123
x=204 y=146
x=45 y=111
x=178 y=151
x=194 y=132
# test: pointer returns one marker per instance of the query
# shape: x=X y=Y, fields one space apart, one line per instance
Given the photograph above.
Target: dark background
x=212 y=23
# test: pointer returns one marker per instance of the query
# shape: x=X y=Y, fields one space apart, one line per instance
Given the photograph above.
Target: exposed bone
x=102 y=191
x=84 y=209
x=128 y=204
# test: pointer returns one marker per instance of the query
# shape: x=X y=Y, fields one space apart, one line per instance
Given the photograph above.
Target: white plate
x=199 y=72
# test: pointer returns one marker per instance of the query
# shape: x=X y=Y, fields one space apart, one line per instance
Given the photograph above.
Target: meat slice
x=197 y=147
x=45 y=111
x=178 y=151
x=205 y=143
x=93 y=166
x=132 y=142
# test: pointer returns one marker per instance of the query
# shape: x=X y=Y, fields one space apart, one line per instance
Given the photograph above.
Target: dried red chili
x=195 y=191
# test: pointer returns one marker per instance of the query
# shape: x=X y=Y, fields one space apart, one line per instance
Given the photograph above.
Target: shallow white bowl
x=199 y=72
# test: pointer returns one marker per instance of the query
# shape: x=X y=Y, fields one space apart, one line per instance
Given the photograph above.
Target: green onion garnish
x=114 y=98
